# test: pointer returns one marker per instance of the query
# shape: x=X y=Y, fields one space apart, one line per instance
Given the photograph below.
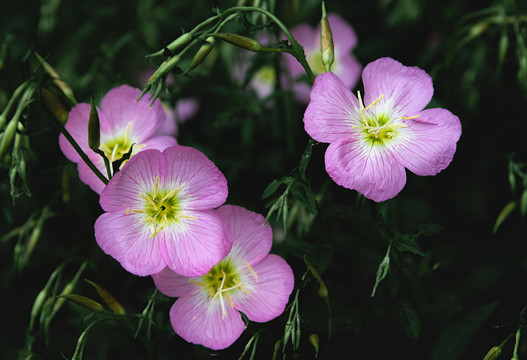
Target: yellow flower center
x=222 y=281
x=377 y=124
x=117 y=147
x=161 y=208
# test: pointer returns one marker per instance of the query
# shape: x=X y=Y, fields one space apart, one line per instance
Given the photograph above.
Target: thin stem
x=79 y=151
x=297 y=48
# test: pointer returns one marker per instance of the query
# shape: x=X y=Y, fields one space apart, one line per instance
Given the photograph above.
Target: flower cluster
x=164 y=209
x=164 y=217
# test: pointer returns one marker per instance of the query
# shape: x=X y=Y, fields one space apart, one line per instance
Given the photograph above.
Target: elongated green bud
x=8 y=135
x=240 y=41
x=322 y=289
x=202 y=53
x=53 y=103
x=313 y=339
x=94 y=128
x=327 y=50
x=175 y=45
x=493 y=353
x=83 y=301
x=108 y=298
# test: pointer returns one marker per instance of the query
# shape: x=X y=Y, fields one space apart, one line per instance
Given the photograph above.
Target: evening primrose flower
x=159 y=213
x=345 y=65
x=248 y=280
x=373 y=139
x=124 y=122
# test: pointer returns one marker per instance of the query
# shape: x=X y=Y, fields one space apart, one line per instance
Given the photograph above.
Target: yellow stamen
x=410 y=117
x=252 y=271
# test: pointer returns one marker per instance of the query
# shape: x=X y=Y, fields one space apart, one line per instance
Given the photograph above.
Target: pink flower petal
x=199 y=320
x=408 y=87
x=172 y=284
x=159 y=143
x=269 y=294
x=88 y=177
x=77 y=126
x=185 y=109
x=344 y=37
x=327 y=117
x=120 y=105
x=136 y=177
x=194 y=246
x=204 y=186
x=251 y=240
x=371 y=170
x=347 y=68
x=426 y=149
x=124 y=238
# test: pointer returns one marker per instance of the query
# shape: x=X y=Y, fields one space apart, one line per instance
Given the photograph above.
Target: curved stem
x=297 y=48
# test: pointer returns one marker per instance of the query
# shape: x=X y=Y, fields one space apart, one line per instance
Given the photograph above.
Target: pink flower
x=159 y=213
x=372 y=142
x=345 y=66
x=249 y=280
x=124 y=121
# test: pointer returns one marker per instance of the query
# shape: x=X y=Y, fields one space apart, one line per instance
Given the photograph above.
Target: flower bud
x=175 y=45
x=493 y=353
x=8 y=135
x=240 y=41
x=202 y=53
x=313 y=339
x=94 y=128
x=84 y=302
x=53 y=103
x=327 y=52
x=108 y=298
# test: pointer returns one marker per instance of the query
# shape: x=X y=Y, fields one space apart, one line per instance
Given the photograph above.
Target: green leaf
x=409 y=321
x=303 y=192
x=455 y=338
x=271 y=188
x=408 y=243
x=505 y=212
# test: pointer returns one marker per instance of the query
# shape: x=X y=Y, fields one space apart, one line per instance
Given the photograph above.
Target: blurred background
x=456 y=283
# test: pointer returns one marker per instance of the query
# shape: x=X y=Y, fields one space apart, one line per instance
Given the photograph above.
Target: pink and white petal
x=269 y=295
x=198 y=319
x=408 y=87
x=159 y=143
x=124 y=238
x=328 y=116
x=203 y=185
x=88 y=177
x=371 y=170
x=172 y=284
x=251 y=241
x=194 y=246
x=120 y=106
x=185 y=109
x=344 y=37
x=77 y=126
x=426 y=149
x=347 y=68
x=136 y=177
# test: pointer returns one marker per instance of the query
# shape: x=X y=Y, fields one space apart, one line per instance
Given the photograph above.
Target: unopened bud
x=240 y=41
x=322 y=289
x=327 y=51
x=53 y=103
x=313 y=339
x=493 y=353
x=8 y=135
x=175 y=45
x=83 y=301
x=108 y=298
x=94 y=128
x=202 y=53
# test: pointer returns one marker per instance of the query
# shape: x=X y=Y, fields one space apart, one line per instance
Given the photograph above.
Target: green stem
x=79 y=151
x=297 y=48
